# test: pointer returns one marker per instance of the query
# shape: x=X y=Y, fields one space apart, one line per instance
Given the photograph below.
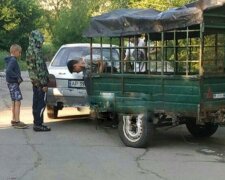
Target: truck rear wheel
x=135 y=130
x=206 y=130
x=52 y=112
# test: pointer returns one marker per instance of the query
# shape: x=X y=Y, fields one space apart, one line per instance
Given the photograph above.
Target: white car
x=68 y=89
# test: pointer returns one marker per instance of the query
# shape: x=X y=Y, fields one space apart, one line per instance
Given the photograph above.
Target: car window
x=59 y=58
x=115 y=54
x=114 y=62
x=68 y=53
x=105 y=54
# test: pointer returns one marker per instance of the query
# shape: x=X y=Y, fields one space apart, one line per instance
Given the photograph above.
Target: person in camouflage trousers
x=38 y=74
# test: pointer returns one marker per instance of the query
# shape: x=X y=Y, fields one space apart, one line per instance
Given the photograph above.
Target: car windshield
x=68 y=53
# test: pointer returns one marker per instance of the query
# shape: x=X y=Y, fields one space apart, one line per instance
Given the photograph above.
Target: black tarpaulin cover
x=125 y=22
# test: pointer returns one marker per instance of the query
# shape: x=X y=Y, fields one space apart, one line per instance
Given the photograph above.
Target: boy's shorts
x=15 y=92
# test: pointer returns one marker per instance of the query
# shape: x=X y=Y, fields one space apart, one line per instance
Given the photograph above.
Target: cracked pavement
x=75 y=149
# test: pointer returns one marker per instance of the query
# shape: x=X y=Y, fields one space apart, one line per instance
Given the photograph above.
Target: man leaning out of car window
x=78 y=65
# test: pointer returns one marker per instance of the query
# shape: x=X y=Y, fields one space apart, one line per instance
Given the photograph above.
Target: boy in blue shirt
x=13 y=79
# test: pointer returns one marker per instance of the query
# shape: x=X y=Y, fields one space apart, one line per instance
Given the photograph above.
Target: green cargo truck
x=183 y=81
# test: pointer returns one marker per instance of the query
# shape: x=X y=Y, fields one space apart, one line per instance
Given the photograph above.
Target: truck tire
x=52 y=112
x=135 y=130
x=201 y=131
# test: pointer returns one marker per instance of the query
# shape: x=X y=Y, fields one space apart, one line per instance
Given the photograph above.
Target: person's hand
x=101 y=66
x=20 y=80
x=45 y=89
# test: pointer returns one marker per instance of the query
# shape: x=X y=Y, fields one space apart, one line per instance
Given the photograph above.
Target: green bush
x=22 y=64
x=3 y=54
x=49 y=51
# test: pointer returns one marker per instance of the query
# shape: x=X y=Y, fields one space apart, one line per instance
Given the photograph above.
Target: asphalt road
x=76 y=150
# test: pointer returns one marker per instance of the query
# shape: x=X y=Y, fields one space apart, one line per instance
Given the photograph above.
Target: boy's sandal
x=13 y=123
x=19 y=125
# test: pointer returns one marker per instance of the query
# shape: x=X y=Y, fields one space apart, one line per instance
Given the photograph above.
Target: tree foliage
x=69 y=25
x=55 y=6
x=158 y=4
x=17 y=19
x=70 y=18
x=63 y=20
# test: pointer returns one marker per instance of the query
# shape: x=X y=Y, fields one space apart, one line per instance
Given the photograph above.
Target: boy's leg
x=13 y=89
x=13 y=111
x=16 y=97
x=17 y=110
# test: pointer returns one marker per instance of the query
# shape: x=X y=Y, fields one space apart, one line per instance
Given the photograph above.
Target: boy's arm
x=12 y=65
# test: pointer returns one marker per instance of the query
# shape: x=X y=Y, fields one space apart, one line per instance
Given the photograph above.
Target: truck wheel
x=52 y=112
x=135 y=130
x=206 y=130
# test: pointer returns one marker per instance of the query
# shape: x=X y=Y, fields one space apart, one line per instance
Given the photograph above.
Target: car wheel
x=201 y=131
x=52 y=112
x=135 y=130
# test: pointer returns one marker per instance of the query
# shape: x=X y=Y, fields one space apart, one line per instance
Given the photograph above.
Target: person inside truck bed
x=134 y=54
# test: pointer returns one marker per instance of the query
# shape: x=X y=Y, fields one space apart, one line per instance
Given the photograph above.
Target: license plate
x=76 y=84
x=219 y=96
